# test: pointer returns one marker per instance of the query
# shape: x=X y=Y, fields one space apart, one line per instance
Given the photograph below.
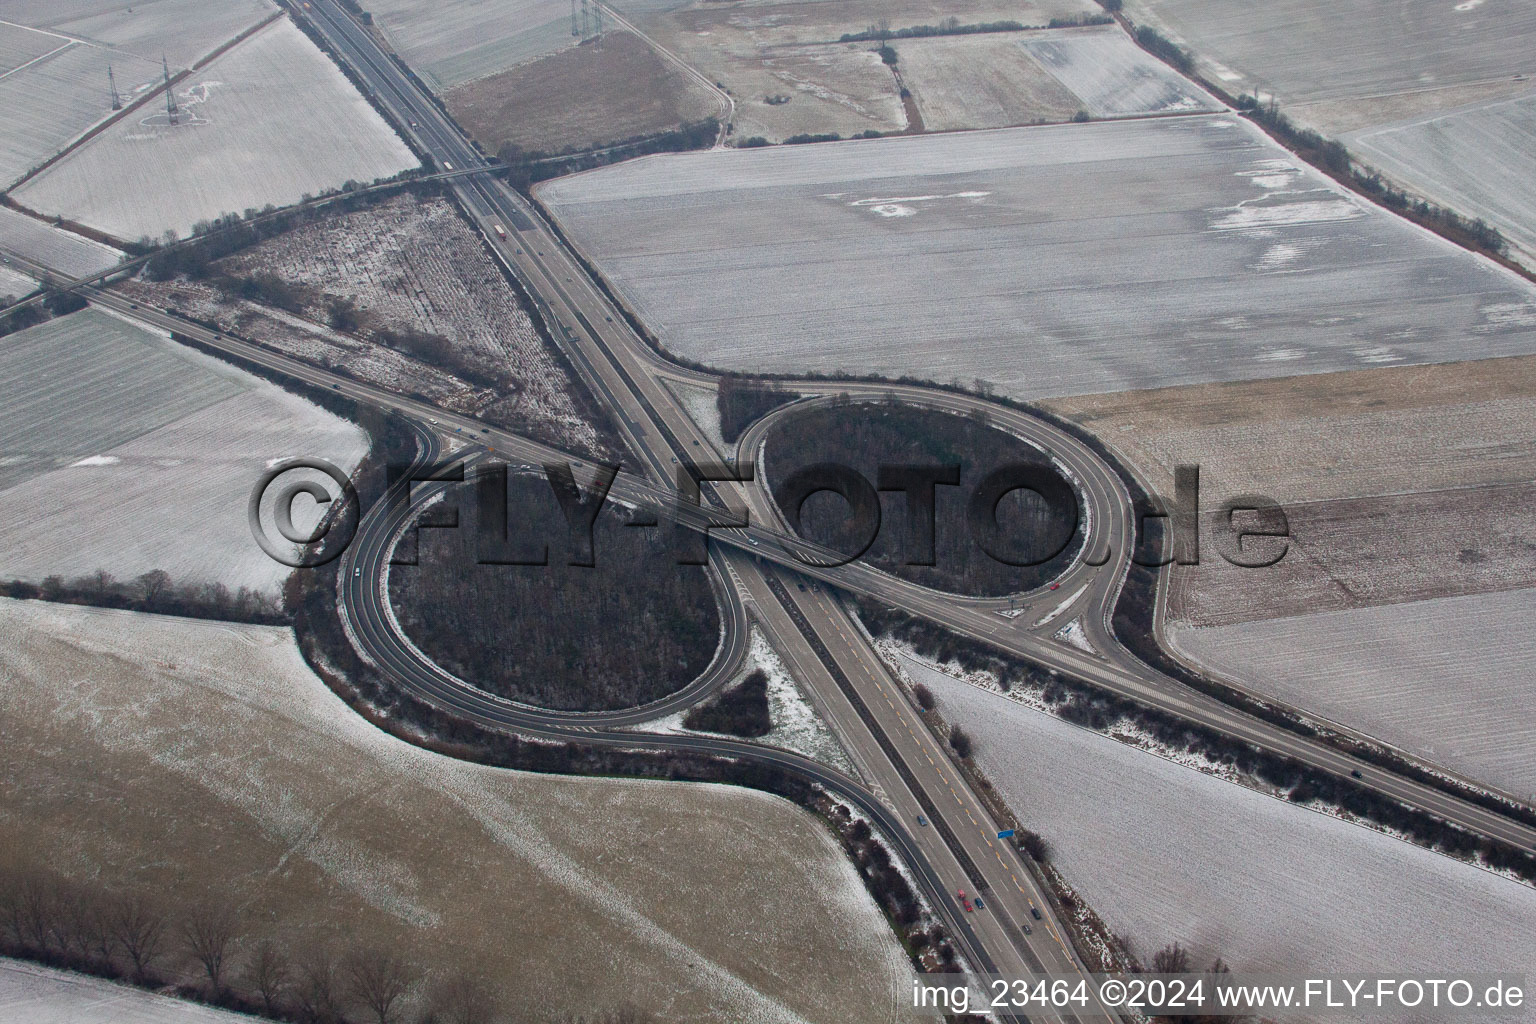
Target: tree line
x=1334 y=157
x=214 y=239
x=155 y=591
x=525 y=167
x=1084 y=704
x=210 y=953
x=56 y=303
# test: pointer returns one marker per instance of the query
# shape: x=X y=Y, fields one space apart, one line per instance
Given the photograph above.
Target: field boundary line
x=40 y=57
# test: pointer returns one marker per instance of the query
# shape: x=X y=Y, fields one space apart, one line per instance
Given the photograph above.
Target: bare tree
x=462 y=999
x=30 y=906
x=78 y=924
x=1172 y=959
x=315 y=991
x=924 y=696
x=378 y=980
x=206 y=936
x=268 y=974
x=139 y=929
x=152 y=585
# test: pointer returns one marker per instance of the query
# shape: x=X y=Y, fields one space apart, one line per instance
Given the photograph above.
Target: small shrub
x=960 y=742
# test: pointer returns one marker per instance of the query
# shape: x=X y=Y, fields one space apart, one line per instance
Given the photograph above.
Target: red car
x=964 y=901
x=1055 y=586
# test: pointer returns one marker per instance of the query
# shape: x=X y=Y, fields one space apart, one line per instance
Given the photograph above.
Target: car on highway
x=1355 y=774
x=920 y=819
x=1056 y=586
x=980 y=903
x=1028 y=930
x=1034 y=912
x=965 y=901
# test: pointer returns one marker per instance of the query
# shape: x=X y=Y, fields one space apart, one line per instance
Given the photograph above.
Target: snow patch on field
x=1164 y=854
x=1112 y=75
x=1280 y=209
x=42 y=995
x=274 y=120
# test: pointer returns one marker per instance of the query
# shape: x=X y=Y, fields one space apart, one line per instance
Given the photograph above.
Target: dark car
x=1356 y=774
x=980 y=903
x=1034 y=912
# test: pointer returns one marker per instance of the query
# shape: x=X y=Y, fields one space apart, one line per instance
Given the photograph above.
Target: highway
x=905 y=772
x=615 y=364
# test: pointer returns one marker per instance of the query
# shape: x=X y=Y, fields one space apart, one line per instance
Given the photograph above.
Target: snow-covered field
x=980 y=81
x=20 y=45
x=126 y=452
x=1474 y=160
x=1112 y=75
x=52 y=100
x=1438 y=96
x=832 y=87
x=1001 y=79
x=1306 y=51
x=183 y=31
x=41 y=995
x=62 y=251
x=450 y=42
x=205 y=761
x=1446 y=679
x=267 y=122
x=14 y=285
x=1163 y=852
x=1021 y=257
